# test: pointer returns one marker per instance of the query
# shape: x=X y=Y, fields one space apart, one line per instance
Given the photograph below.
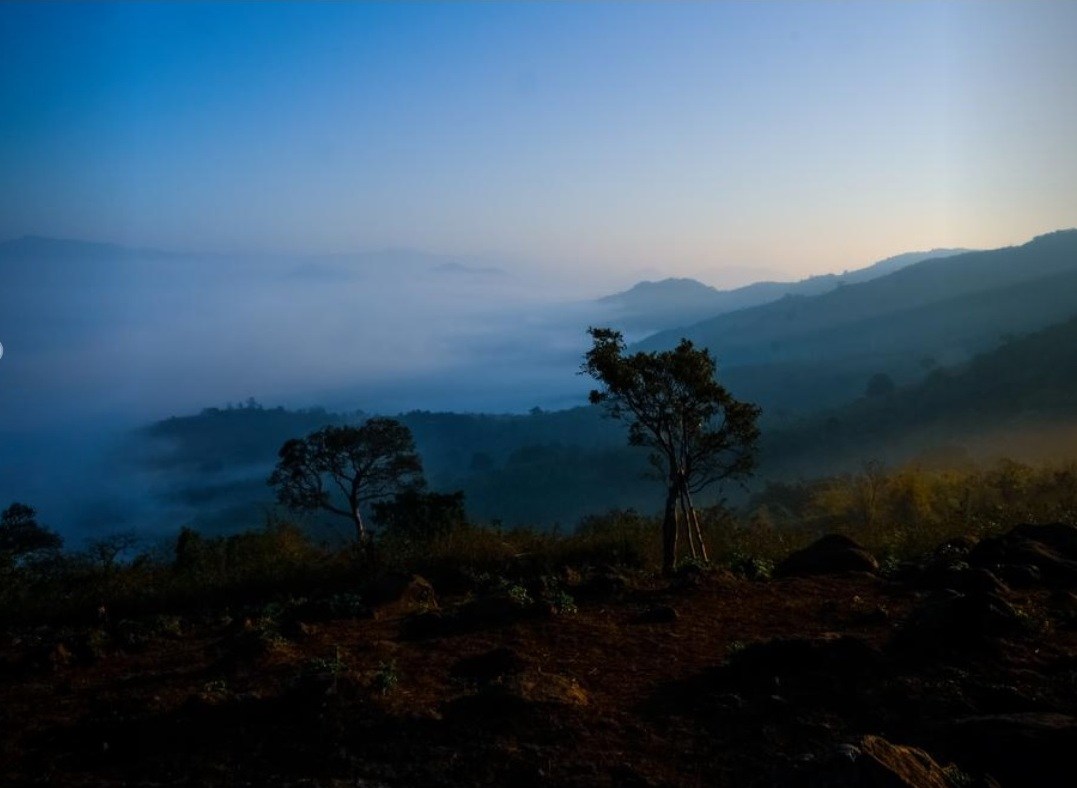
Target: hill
x=1018 y=398
x=802 y=353
x=679 y=302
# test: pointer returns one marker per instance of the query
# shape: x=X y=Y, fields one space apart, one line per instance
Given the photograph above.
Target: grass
x=897 y=515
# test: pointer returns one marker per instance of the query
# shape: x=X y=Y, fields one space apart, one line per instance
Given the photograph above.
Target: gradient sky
x=689 y=139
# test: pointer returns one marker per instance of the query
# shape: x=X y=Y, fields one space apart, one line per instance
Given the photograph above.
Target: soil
x=731 y=682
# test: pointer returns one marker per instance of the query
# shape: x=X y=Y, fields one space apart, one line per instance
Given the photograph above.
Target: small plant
x=327 y=666
x=564 y=603
x=1032 y=621
x=345 y=605
x=958 y=778
x=890 y=565
x=214 y=691
x=735 y=647
x=165 y=626
x=520 y=596
x=752 y=567
x=693 y=563
x=386 y=677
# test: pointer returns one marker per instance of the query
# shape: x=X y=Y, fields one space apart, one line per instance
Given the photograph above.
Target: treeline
x=898 y=514
x=906 y=510
x=1026 y=382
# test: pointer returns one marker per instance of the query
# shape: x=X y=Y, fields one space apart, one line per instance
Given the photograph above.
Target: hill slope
x=679 y=302
x=1026 y=388
x=945 y=310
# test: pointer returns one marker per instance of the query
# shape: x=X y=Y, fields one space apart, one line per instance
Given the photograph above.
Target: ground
x=713 y=679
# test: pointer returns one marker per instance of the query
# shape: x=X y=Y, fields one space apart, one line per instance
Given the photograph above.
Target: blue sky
x=697 y=139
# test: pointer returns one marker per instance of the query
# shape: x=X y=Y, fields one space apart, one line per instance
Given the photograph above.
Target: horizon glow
x=729 y=141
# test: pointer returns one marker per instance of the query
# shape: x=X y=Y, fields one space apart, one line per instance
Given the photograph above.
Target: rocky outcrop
x=832 y=554
x=1016 y=749
x=874 y=762
x=950 y=619
x=1031 y=555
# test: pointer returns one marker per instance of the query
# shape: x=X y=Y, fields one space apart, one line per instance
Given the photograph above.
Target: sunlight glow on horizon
x=772 y=140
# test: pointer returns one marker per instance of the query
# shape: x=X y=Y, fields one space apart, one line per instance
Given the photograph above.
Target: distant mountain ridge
x=681 y=301
x=804 y=352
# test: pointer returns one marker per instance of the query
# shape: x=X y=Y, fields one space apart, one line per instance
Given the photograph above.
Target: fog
x=99 y=340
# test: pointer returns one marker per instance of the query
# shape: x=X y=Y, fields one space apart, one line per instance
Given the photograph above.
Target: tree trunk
x=360 y=529
x=688 y=526
x=693 y=518
x=669 y=531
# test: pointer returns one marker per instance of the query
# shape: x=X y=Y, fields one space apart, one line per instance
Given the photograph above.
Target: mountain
x=653 y=306
x=800 y=353
x=1025 y=387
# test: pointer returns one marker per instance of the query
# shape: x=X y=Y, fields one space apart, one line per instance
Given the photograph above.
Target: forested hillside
x=801 y=353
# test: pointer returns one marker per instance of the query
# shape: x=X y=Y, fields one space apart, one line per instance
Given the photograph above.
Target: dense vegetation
x=898 y=514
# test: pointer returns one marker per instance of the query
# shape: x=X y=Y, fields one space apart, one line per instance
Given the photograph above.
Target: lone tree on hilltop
x=21 y=535
x=339 y=469
x=698 y=433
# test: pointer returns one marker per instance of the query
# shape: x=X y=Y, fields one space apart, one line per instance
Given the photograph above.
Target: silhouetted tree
x=698 y=433
x=338 y=469
x=21 y=535
x=418 y=516
x=107 y=551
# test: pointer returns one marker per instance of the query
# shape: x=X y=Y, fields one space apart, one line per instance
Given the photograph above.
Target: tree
x=697 y=432
x=21 y=535
x=339 y=469
x=420 y=516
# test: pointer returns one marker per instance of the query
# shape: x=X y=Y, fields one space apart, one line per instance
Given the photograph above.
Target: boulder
x=1032 y=748
x=405 y=593
x=831 y=554
x=1063 y=607
x=523 y=702
x=1031 y=554
x=950 y=619
x=874 y=762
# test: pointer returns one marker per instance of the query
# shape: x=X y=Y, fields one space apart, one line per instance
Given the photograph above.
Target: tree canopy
x=697 y=431
x=339 y=469
x=22 y=535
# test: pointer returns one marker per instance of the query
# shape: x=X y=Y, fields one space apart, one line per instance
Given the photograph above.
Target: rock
x=605 y=584
x=1031 y=748
x=296 y=630
x=874 y=762
x=538 y=687
x=489 y=666
x=1059 y=537
x=966 y=580
x=661 y=614
x=1050 y=550
x=1063 y=606
x=406 y=593
x=521 y=703
x=949 y=619
x=830 y=555
x=1020 y=575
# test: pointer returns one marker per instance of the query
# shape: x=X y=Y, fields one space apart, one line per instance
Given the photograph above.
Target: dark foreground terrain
x=960 y=670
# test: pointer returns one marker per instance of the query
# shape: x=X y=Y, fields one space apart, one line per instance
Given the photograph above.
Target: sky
x=730 y=141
